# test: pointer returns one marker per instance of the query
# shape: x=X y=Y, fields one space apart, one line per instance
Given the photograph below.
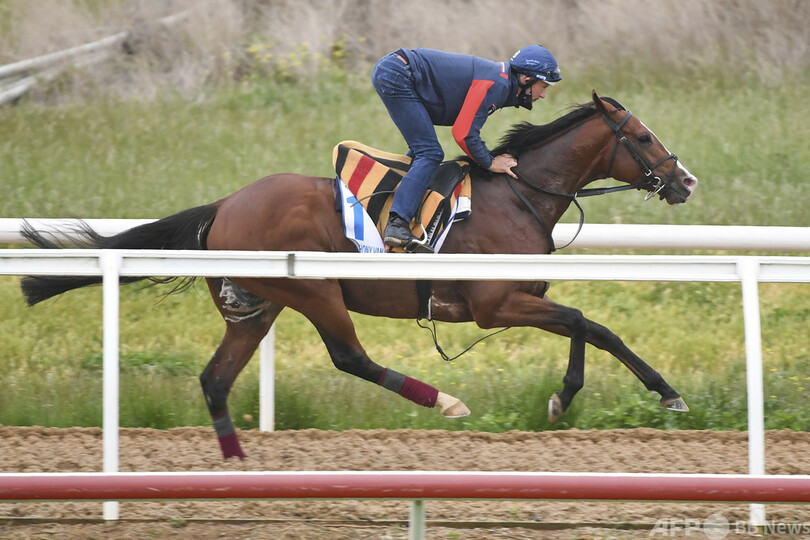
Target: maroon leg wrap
x=230 y=446
x=419 y=392
x=228 y=440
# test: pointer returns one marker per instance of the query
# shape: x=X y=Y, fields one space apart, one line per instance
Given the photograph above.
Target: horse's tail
x=185 y=230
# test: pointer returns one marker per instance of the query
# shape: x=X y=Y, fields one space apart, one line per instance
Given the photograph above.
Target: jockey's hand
x=503 y=164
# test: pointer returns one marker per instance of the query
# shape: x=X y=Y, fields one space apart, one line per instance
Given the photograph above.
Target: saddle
x=369 y=177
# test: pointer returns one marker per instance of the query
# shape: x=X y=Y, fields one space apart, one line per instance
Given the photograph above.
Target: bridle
x=650 y=180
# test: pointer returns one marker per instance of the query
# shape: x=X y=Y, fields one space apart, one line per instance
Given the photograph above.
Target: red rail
x=405 y=485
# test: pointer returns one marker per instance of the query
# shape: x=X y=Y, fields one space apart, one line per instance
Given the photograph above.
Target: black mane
x=523 y=136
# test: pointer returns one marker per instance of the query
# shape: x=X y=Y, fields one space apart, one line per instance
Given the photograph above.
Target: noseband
x=651 y=180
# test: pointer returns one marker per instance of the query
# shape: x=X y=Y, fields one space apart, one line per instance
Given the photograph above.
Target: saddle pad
x=369 y=177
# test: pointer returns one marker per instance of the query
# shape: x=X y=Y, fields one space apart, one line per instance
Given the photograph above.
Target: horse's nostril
x=690 y=182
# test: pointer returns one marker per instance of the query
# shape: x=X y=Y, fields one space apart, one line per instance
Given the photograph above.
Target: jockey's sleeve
x=467 y=127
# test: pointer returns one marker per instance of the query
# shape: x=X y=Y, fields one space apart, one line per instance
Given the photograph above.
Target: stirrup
x=419 y=246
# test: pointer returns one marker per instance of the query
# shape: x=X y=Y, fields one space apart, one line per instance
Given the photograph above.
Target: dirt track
x=638 y=450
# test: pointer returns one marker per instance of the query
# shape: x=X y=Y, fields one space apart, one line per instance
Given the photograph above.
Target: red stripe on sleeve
x=475 y=96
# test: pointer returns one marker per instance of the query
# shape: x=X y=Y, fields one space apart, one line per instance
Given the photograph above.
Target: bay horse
x=294 y=212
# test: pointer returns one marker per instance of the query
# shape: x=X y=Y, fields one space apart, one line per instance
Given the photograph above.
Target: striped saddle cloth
x=369 y=177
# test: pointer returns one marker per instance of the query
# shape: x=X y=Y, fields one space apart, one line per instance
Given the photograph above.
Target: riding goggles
x=551 y=77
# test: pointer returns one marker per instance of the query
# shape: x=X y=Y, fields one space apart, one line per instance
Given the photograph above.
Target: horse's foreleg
x=581 y=330
x=574 y=379
x=524 y=309
x=248 y=318
x=568 y=322
x=604 y=339
x=519 y=308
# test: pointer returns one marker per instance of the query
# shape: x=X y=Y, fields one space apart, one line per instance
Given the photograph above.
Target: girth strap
x=424 y=289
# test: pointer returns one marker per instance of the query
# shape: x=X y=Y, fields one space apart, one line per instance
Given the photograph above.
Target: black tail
x=185 y=230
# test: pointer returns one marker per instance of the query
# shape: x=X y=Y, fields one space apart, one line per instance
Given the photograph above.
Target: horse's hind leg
x=247 y=318
x=322 y=303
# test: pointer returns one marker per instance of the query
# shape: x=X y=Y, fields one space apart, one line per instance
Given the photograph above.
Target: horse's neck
x=564 y=165
x=569 y=162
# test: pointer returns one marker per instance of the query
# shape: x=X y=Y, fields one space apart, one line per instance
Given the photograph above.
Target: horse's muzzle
x=680 y=189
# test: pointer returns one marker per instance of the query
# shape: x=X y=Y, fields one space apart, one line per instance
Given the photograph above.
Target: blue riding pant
x=394 y=82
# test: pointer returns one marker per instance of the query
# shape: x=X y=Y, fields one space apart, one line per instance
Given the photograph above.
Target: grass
x=119 y=158
x=505 y=380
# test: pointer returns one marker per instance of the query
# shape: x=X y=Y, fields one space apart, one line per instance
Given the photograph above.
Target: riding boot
x=397 y=232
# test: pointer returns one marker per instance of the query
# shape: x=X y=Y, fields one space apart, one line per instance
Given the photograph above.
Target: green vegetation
x=117 y=157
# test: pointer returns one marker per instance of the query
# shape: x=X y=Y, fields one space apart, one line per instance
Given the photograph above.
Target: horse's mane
x=525 y=135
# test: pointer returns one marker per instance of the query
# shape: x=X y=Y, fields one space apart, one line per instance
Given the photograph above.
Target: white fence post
x=110 y=262
x=748 y=268
x=267 y=381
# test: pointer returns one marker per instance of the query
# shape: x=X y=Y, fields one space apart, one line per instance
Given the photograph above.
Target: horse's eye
x=645 y=139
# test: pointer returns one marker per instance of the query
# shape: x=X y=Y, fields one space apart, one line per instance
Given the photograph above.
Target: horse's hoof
x=674 y=404
x=555 y=407
x=451 y=407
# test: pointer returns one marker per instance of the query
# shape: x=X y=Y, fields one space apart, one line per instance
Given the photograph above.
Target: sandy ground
x=33 y=449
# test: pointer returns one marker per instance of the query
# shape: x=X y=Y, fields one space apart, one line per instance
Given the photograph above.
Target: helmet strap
x=525 y=96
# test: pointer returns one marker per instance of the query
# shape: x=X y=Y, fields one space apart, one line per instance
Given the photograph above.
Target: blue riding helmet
x=536 y=62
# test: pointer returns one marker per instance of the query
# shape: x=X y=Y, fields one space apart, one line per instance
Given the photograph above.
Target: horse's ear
x=597 y=101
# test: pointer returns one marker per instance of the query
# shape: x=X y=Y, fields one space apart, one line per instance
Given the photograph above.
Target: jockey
x=422 y=88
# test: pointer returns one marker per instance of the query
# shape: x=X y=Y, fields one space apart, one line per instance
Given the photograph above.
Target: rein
x=650 y=181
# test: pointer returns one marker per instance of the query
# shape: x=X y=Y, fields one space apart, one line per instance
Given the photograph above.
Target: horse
x=295 y=212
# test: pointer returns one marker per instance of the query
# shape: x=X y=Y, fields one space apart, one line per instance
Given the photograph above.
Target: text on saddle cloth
x=370 y=176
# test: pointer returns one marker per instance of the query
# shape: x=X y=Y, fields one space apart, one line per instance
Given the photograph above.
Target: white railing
x=593 y=235
x=598 y=236
x=747 y=270
x=112 y=264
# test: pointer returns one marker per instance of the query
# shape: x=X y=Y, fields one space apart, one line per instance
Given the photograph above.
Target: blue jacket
x=462 y=91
